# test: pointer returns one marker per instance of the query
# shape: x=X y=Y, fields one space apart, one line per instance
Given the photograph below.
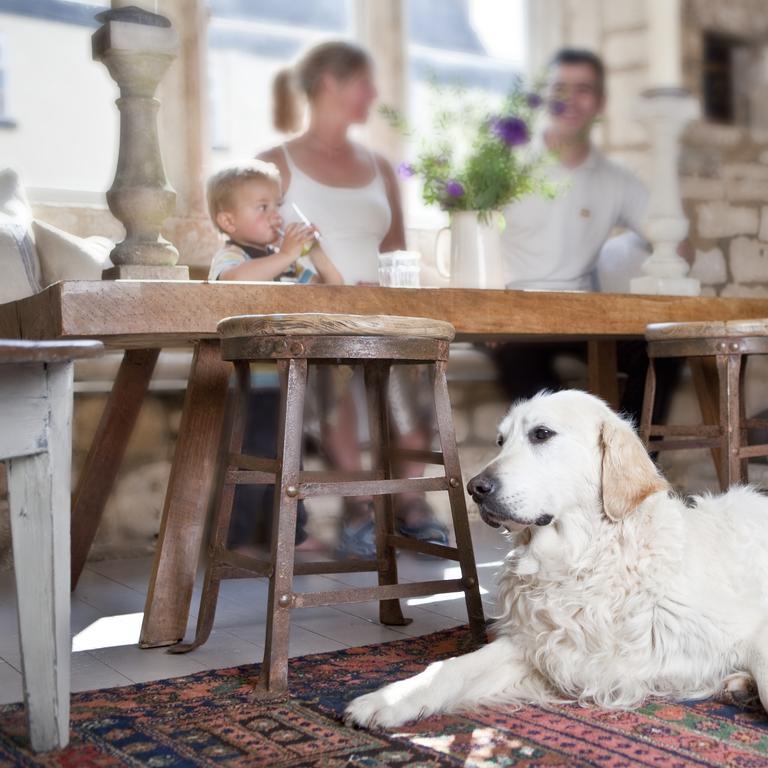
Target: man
x=554 y=244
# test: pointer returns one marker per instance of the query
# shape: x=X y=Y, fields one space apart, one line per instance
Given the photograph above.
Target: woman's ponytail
x=287 y=103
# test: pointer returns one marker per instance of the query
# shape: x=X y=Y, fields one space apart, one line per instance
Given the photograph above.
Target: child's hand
x=295 y=238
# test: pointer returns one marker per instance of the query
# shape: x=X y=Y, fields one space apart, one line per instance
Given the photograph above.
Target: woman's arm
x=394 y=240
x=326 y=269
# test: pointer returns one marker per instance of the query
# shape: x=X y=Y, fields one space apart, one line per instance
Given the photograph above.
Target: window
x=5 y=118
x=65 y=143
x=479 y=45
x=249 y=41
x=731 y=71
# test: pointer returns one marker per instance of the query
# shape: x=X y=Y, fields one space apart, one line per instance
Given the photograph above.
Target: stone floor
x=108 y=603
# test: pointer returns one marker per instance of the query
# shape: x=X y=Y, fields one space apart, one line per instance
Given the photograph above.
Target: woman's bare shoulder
x=276 y=155
x=272 y=155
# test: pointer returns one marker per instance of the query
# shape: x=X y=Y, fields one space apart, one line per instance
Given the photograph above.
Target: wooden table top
x=134 y=313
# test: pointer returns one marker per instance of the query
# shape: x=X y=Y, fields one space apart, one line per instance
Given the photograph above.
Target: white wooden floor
x=107 y=609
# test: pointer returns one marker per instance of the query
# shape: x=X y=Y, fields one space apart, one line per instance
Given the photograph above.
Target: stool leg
x=376 y=379
x=221 y=516
x=649 y=396
x=728 y=369
x=458 y=503
x=743 y=435
x=293 y=384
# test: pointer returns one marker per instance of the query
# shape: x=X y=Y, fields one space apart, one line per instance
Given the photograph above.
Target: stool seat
x=327 y=324
x=706 y=330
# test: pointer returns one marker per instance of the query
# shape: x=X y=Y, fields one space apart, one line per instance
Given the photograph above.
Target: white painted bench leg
x=39 y=495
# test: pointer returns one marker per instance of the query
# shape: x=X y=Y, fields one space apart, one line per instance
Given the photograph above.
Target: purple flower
x=557 y=107
x=511 y=130
x=533 y=100
x=454 y=189
x=406 y=170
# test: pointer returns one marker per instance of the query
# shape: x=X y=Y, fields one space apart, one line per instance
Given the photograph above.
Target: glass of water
x=399 y=269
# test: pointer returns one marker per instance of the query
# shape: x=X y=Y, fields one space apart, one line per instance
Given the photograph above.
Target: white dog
x=614 y=589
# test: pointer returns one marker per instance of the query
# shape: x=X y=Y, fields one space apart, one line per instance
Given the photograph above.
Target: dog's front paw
x=384 y=708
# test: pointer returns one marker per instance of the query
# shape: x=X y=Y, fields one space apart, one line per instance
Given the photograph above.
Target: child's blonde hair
x=296 y=85
x=223 y=184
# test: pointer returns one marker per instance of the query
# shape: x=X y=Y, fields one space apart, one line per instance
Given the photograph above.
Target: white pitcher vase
x=475 y=256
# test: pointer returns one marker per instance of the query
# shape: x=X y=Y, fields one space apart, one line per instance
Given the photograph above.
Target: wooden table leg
x=187 y=499
x=603 y=370
x=107 y=450
x=705 y=382
x=39 y=495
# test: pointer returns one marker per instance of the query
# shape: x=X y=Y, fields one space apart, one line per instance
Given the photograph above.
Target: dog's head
x=560 y=454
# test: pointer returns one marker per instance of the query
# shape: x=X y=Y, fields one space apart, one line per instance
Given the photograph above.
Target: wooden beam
x=187 y=500
x=107 y=450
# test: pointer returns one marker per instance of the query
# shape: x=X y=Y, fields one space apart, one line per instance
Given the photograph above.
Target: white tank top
x=352 y=220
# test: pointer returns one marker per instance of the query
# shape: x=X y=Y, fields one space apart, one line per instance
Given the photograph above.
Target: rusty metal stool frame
x=727 y=438
x=293 y=356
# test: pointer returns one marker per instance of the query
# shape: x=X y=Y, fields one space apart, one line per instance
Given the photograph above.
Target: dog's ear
x=628 y=474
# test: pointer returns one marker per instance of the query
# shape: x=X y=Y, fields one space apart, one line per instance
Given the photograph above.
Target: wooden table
x=143 y=316
x=36 y=444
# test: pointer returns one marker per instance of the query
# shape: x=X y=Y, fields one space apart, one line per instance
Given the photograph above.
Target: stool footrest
x=412 y=454
x=373 y=487
x=423 y=547
x=682 y=444
x=256 y=477
x=256 y=463
x=753 y=451
x=382 y=592
x=248 y=567
x=682 y=430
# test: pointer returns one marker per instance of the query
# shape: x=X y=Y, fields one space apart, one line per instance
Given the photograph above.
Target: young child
x=244 y=203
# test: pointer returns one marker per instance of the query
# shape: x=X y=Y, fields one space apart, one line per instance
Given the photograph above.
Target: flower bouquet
x=475 y=158
x=472 y=163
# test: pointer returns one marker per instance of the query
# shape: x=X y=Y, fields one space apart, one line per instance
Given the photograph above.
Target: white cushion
x=68 y=257
x=19 y=263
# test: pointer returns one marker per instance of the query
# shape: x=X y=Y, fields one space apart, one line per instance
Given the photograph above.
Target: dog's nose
x=481 y=486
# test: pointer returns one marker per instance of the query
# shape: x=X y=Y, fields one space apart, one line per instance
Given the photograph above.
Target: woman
x=351 y=195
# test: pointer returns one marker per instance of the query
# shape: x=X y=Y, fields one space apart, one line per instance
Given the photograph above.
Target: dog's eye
x=540 y=434
x=499 y=440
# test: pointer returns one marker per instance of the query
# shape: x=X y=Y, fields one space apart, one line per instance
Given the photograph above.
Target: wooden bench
x=36 y=445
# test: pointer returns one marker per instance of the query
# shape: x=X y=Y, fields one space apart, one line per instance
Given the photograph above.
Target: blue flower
x=533 y=100
x=454 y=189
x=406 y=170
x=557 y=107
x=511 y=130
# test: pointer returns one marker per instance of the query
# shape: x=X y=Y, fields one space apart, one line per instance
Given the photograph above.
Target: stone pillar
x=380 y=26
x=666 y=112
x=137 y=48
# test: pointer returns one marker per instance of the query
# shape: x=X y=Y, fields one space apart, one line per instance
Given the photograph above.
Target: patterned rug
x=209 y=719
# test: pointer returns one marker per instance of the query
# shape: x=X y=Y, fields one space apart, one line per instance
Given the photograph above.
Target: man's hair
x=566 y=56
x=223 y=184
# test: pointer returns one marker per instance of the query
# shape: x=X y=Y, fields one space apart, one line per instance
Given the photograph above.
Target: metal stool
x=726 y=346
x=295 y=342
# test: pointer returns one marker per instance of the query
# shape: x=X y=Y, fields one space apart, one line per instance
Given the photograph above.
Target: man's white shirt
x=554 y=244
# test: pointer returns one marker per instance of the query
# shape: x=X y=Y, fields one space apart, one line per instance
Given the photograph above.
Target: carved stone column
x=666 y=112
x=137 y=47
